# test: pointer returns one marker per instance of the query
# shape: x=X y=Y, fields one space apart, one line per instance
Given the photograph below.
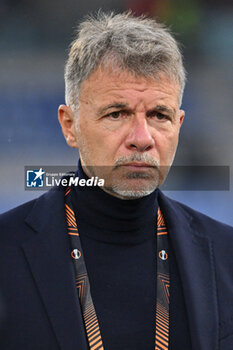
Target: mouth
x=138 y=166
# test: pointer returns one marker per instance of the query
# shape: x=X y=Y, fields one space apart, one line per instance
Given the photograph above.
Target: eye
x=158 y=115
x=115 y=115
x=161 y=116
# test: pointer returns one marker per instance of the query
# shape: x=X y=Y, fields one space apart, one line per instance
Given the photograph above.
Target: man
x=119 y=267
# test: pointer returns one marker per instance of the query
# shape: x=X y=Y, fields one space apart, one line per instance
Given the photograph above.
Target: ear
x=67 y=121
x=181 y=116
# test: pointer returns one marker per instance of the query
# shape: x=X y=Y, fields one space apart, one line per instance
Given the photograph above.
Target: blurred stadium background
x=34 y=39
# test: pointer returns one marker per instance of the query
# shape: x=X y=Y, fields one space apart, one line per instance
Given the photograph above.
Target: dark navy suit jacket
x=39 y=307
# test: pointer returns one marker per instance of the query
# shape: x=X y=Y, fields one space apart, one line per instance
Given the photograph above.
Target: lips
x=138 y=165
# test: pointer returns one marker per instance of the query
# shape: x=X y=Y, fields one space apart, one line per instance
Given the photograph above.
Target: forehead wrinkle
x=114 y=89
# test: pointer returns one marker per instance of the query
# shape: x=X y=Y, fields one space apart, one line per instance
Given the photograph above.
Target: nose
x=139 y=137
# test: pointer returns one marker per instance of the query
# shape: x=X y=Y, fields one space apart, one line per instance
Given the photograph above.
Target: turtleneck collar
x=111 y=219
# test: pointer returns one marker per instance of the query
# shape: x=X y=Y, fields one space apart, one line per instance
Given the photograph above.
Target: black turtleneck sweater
x=118 y=238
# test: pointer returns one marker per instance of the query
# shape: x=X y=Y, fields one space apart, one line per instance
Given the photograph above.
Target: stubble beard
x=119 y=183
x=148 y=181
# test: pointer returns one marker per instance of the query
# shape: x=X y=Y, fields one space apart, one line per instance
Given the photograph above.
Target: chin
x=132 y=186
x=131 y=194
x=133 y=189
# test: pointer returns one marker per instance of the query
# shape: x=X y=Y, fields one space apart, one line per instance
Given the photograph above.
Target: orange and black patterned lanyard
x=83 y=286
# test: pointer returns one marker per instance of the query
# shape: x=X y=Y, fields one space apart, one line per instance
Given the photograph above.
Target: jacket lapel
x=195 y=261
x=48 y=255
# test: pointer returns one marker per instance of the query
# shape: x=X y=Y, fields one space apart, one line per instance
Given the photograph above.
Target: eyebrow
x=115 y=105
x=118 y=105
x=163 y=108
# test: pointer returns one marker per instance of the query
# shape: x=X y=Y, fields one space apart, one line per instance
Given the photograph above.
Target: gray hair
x=140 y=45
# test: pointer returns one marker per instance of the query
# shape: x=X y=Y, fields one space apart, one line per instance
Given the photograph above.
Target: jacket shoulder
x=200 y=221
x=17 y=214
x=13 y=223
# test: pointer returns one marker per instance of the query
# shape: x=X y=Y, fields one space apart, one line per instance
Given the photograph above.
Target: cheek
x=85 y=135
x=167 y=147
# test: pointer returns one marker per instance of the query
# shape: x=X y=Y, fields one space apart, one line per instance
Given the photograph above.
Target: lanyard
x=83 y=285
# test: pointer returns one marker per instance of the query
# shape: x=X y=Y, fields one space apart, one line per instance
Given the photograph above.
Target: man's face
x=127 y=130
